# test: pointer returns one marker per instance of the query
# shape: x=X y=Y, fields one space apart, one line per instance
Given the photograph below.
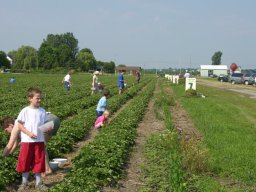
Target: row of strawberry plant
x=101 y=162
x=162 y=170
x=74 y=129
x=65 y=110
x=53 y=91
x=71 y=131
x=68 y=109
x=55 y=98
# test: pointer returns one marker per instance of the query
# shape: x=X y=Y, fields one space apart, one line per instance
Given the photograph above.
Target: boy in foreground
x=32 y=149
x=12 y=129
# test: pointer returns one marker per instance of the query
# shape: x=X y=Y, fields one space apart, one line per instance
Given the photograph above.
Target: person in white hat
x=95 y=82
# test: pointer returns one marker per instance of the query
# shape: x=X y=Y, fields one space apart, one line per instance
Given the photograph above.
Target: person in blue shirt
x=12 y=80
x=121 y=82
x=102 y=104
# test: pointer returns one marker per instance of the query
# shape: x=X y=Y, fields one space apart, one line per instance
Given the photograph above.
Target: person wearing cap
x=95 y=82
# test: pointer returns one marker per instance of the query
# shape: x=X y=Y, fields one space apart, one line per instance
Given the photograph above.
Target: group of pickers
x=25 y=130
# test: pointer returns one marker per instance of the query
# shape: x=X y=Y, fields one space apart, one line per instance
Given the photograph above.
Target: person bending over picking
x=102 y=104
x=9 y=127
x=102 y=120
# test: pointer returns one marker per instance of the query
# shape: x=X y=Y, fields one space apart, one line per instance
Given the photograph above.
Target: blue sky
x=148 y=33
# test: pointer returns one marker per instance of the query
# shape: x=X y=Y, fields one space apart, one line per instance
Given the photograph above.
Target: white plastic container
x=61 y=161
x=54 y=165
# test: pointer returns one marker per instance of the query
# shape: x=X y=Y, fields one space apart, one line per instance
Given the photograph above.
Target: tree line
x=56 y=52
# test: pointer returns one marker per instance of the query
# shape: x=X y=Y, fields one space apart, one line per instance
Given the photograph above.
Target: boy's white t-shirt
x=32 y=118
x=67 y=78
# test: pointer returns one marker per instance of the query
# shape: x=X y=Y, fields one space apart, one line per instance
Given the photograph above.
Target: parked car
x=249 y=79
x=213 y=75
x=236 y=78
x=223 y=78
x=246 y=78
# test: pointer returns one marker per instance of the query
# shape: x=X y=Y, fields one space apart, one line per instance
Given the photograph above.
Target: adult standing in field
x=137 y=76
x=95 y=81
x=67 y=81
x=121 y=82
x=187 y=74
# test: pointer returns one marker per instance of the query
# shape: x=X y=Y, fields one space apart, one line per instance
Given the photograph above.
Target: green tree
x=86 y=60
x=4 y=62
x=47 y=56
x=25 y=58
x=12 y=54
x=109 y=67
x=58 y=51
x=216 y=58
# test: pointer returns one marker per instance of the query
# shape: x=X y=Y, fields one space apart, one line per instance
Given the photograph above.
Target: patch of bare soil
x=149 y=125
x=183 y=123
x=181 y=120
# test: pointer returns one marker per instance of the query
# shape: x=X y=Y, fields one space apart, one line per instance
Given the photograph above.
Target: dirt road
x=244 y=89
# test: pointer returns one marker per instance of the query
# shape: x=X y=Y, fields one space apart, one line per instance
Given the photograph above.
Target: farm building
x=208 y=70
x=127 y=69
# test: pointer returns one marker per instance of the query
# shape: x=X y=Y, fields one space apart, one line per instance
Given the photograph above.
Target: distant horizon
x=153 y=34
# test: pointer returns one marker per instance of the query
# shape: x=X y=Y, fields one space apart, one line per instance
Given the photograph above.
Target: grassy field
x=228 y=124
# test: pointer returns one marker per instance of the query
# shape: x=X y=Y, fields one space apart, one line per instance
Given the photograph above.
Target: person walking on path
x=121 y=82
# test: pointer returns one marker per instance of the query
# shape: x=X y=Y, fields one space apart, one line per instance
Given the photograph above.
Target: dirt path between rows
x=183 y=123
x=149 y=125
x=58 y=175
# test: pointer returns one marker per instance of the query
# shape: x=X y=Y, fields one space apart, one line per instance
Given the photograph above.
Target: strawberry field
x=190 y=150
x=75 y=108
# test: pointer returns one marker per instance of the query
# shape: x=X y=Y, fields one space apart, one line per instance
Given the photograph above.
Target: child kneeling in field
x=102 y=120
